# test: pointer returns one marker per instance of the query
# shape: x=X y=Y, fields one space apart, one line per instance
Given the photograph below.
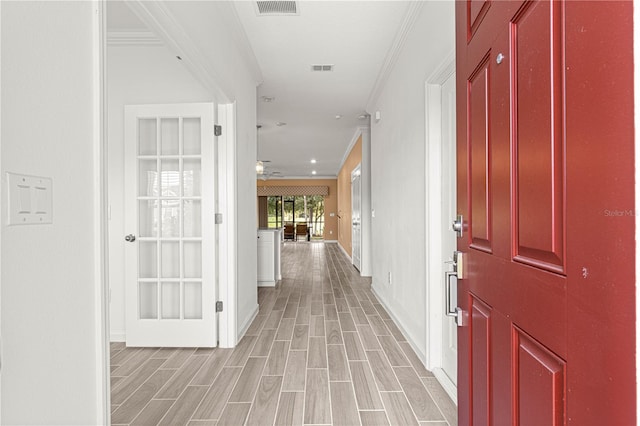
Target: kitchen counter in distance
x=269 y=270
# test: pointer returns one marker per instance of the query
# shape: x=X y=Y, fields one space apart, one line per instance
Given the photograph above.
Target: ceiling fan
x=263 y=171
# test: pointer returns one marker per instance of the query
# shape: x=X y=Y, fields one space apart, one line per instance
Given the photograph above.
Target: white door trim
x=100 y=203
x=357 y=173
x=226 y=204
x=433 y=184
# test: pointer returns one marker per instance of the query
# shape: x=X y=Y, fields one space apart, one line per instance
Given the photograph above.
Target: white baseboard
x=118 y=336
x=345 y=253
x=446 y=383
x=245 y=326
x=439 y=373
x=419 y=351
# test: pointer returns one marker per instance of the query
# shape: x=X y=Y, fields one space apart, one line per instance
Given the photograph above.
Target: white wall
x=135 y=75
x=49 y=282
x=398 y=171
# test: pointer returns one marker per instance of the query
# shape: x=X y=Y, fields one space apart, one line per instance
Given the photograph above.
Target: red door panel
x=476 y=12
x=479 y=159
x=481 y=342
x=539 y=383
x=537 y=100
x=545 y=184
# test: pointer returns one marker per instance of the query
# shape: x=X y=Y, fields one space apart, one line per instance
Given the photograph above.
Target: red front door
x=545 y=187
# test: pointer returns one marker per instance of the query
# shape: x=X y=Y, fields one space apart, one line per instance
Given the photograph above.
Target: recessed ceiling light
x=363 y=116
x=280 y=123
x=338 y=116
x=313 y=172
x=268 y=98
x=313 y=161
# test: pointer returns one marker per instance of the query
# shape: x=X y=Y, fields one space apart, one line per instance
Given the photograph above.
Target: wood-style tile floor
x=322 y=351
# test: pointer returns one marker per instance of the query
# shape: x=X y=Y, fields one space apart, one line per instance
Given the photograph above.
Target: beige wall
x=344 y=195
x=263 y=214
x=330 y=201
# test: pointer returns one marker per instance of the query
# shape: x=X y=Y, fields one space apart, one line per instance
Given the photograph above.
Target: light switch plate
x=30 y=199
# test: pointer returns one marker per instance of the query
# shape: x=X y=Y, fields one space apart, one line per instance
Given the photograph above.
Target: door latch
x=458 y=225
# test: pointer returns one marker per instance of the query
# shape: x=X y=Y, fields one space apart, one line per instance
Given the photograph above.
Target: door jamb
x=357 y=171
x=100 y=203
x=433 y=240
x=226 y=204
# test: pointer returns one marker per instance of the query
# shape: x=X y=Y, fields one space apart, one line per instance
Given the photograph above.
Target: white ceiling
x=120 y=18
x=354 y=36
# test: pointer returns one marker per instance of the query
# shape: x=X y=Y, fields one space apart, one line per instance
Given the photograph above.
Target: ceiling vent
x=271 y=8
x=321 y=68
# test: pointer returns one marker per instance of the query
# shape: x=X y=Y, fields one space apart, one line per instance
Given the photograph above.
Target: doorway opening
x=441 y=208
x=297 y=210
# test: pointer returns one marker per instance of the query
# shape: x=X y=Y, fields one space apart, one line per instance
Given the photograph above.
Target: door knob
x=457 y=225
x=130 y=238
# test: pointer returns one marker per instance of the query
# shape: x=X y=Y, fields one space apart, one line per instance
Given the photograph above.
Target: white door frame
x=435 y=290
x=226 y=202
x=357 y=173
x=100 y=202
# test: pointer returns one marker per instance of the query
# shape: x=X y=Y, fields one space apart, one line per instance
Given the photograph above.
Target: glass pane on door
x=169 y=199
x=169 y=136
x=191 y=178
x=170 y=178
x=147 y=135
x=193 y=300
x=170 y=300
x=191 y=138
x=148 y=300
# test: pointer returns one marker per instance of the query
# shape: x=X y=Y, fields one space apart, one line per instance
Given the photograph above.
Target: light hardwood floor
x=322 y=351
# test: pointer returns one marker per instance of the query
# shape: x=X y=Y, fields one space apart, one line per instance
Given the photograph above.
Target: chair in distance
x=301 y=229
x=289 y=231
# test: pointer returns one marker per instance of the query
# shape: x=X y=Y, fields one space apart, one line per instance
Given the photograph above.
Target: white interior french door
x=356 y=198
x=169 y=209
x=448 y=205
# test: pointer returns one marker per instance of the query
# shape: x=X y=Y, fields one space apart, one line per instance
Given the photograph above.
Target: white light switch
x=30 y=199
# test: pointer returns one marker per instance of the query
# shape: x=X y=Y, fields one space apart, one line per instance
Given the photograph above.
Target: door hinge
x=217 y=129
x=218 y=218
x=219 y=306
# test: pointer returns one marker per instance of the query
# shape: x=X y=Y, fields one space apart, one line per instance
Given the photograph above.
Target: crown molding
x=133 y=38
x=413 y=10
x=359 y=131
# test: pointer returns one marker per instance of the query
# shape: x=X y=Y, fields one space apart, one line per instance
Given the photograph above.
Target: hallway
x=322 y=350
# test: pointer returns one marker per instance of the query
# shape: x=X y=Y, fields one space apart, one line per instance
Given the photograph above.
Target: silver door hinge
x=217 y=129
x=219 y=306
x=218 y=219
